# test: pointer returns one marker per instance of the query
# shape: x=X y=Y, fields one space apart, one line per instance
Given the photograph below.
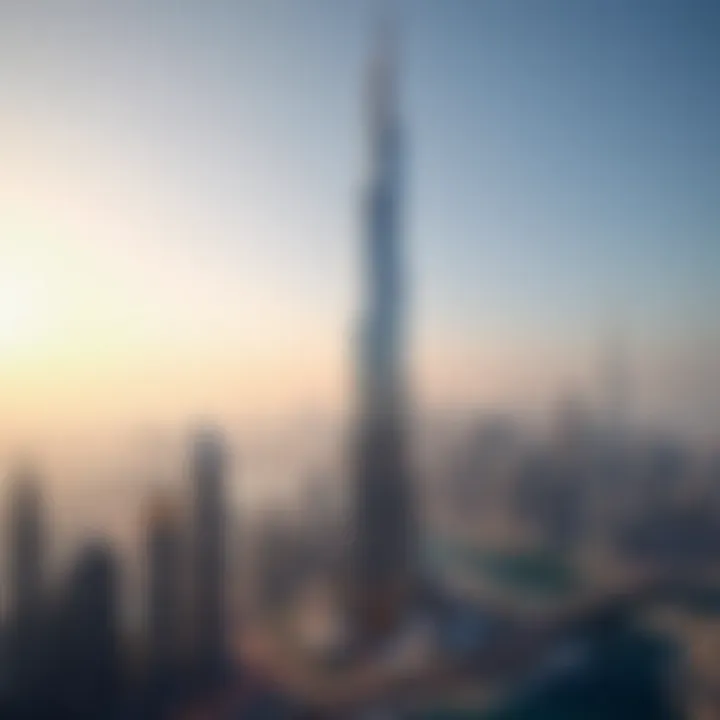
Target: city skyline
x=181 y=185
x=414 y=281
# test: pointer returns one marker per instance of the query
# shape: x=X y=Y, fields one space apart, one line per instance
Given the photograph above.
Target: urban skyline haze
x=179 y=205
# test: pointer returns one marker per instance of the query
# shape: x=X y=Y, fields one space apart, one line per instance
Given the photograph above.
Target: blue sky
x=191 y=172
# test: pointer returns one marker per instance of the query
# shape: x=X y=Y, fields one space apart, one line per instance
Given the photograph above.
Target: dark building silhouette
x=26 y=639
x=208 y=467
x=317 y=531
x=88 y=655
x=277 y=551
x=26 y=547
x=383 y=546
x=481 y=464
x=164 y=577
x=713 y=484
x=666 y=468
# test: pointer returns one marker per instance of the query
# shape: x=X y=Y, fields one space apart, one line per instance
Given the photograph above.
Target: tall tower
x=208 y=468
x=163 y=551
x=91 y=664
x=383 y=532
x=26 y=543
x=25 y=571
x=616 y=388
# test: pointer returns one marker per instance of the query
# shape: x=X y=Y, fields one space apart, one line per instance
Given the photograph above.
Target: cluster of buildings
x=581 y=487
x=66 y=652
x=65 y=649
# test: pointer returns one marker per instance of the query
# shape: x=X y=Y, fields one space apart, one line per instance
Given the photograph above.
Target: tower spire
x=384 y=523
x=383 y=78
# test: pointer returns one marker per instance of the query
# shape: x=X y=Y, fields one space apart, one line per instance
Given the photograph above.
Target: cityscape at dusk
x=359 y=359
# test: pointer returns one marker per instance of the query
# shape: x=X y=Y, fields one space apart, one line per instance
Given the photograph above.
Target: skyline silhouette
x=161 y=167
x=323 y=408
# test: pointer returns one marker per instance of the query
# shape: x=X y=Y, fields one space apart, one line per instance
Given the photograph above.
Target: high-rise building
x=25 y=571
x=208 y=577
x=383 y=547
x=164 y=597
x=89 y=660
x=277 y=552
x=26 y=547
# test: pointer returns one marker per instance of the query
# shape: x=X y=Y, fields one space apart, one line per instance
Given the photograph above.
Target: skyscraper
x=383 y=532
x=26 y=546
x=26 y=597
x=90 y=664
x=164 y=586
x=208 y=468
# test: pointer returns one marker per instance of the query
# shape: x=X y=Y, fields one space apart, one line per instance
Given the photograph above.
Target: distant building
x=89 y=655
x=208 y=467
x=164 y=578
x=665 y=470
x=548 y=499
x=277 y=551
x=713 y=484
x=483 y=468
x=575 y=451
x=26 y=584
x=26 y=545
x=318 y=527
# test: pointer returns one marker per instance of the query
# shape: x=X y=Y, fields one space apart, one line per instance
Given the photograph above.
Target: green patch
x=534 y=573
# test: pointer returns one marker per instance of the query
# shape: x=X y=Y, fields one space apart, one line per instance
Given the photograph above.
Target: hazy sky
x=180 y=202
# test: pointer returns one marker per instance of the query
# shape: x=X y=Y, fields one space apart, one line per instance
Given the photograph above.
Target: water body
x=529 y=573
x=627 y=674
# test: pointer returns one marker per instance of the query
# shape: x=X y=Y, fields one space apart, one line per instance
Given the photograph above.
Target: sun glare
x=19 y=316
